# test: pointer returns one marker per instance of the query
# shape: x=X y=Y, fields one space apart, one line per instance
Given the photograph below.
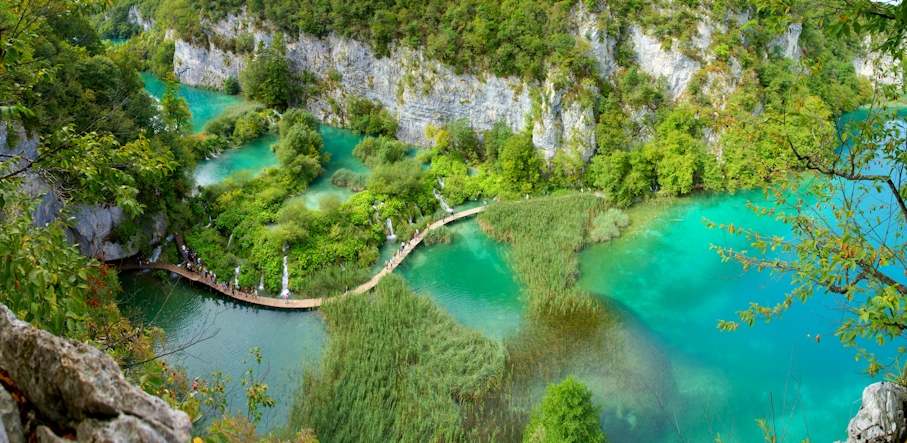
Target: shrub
x=378 y=151
x=353 y=180
x=231 y=86
x=607 y=225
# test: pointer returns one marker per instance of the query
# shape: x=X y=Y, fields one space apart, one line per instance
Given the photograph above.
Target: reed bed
x=545 y=235
x=350 y=179
x=397 y=368
x=441 y=234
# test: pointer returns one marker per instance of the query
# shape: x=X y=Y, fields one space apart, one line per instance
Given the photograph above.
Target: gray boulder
x=881 y=417
x=76 y=385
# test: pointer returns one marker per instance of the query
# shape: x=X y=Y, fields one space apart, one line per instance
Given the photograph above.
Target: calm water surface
x=289 y=340
x=203 y=104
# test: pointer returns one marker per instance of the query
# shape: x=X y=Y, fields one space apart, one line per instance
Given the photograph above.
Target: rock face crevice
x=76 y=386
x=882 y=415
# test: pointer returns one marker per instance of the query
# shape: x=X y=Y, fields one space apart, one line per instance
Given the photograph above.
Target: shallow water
x=339 y=143
x=255 y=157
x=289 y=340
x=469 y=278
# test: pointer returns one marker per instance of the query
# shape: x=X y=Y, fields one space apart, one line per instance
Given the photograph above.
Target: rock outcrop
x=882 y=416
x=92 y=225
x=74 y=386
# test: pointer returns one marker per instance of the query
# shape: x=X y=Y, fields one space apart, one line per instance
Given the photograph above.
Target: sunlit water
x=289 y=340
x=339 y=143
x=254 y=157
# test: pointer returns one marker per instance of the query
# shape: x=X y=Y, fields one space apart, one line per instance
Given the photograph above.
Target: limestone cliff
x=64 y=388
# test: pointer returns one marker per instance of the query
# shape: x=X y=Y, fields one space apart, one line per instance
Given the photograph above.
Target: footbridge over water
x=309 y=303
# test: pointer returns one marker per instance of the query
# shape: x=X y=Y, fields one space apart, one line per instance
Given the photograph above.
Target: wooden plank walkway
x=309 y=303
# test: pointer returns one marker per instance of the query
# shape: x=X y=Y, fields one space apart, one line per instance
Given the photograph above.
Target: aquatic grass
x=328 y=281
x=397 y=368
x=545 y=235
x=441 y=234
x=350 y=179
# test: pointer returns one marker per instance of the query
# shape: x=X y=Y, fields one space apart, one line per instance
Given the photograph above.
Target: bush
x=367 y=117
x=607 y=225
x=231 y=86
x=566 y=414
x=378 y=151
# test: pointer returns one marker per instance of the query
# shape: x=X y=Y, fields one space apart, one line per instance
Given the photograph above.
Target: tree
x=267 y=77
x=299 y=152
x=565 y=415
x=843 y=198
x=519 y=163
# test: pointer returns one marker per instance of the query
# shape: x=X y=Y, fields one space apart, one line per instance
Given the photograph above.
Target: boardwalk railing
x=310 y=303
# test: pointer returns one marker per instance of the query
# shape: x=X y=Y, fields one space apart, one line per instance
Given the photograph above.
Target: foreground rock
x=76 y=389
x=881 y=418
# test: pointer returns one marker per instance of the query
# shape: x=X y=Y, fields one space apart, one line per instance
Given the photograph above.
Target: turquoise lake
x=679 y=374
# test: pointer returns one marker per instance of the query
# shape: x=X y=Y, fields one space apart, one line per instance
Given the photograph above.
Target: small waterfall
x=285 y=280
x=210 y=221
x=155 y=254
x=441 y=182
x=440 y=198
x=390 y=227
x=236 y=276
x=261 y=283
x=230 y=240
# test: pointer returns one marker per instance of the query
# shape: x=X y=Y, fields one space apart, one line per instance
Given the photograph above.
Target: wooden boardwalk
x=309 y=303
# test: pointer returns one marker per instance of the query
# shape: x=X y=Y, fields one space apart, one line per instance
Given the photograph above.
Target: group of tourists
x=194 y=264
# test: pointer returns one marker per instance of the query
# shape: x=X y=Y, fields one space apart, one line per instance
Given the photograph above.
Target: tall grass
x=441 y=234
x=350 y=179
x=328 y=281
x=397 y=368
x=545 y=234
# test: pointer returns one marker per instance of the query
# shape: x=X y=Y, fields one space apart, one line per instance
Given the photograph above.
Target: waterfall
x=236 y=276
x=155 y=254
x=210 y=221
x=441 y=182
x=440 y=198
x=230 y=240
x=261 y=283
x=285 y=280
x=390 y=227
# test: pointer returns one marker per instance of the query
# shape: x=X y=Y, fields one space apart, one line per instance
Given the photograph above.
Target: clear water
x=255 y=157
x=671 y=290
x=203 y=104
x=288 y=340
x=469 y=278
x=340 y=143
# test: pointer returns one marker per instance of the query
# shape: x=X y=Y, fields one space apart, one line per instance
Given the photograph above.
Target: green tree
x=520 y=164
x=565 y=415
x=267 y=77
x=175 y=109
x=463 y=140
x=231 y=86
x=299 y=153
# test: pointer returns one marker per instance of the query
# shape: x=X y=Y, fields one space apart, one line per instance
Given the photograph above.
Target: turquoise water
x=469 y=278
x=671 y=289
x=254 y=157
x=203 y=104
x=340 y=143
x=288 y=340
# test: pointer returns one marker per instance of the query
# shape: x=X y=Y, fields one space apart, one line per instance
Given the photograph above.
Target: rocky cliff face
x=92 y=225
x=64 y=388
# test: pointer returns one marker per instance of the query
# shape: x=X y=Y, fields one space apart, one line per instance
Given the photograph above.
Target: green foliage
x=267 y=77
x=495 y=138
x=345 y=177
x=367 y=117
x=296 y=116
x=231 y=86
x=566 y=414
x=402 y=179
x=607 y=225
x=427 y=368
x=519 y=163
x=438 y=235
x=378 y=151
x=545 y=234
x=463 y=141
x=299 y=153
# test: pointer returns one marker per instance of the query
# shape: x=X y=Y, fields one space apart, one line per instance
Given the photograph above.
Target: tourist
x=484 y=203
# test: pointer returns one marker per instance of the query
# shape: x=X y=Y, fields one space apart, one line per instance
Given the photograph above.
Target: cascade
x=261 y=282
x=210 y=221
x=155 y=254
x=236 y=276
x=390 y=227
x=440 y=198
x=285 y=280
x=441 y=182
x=230 y=240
